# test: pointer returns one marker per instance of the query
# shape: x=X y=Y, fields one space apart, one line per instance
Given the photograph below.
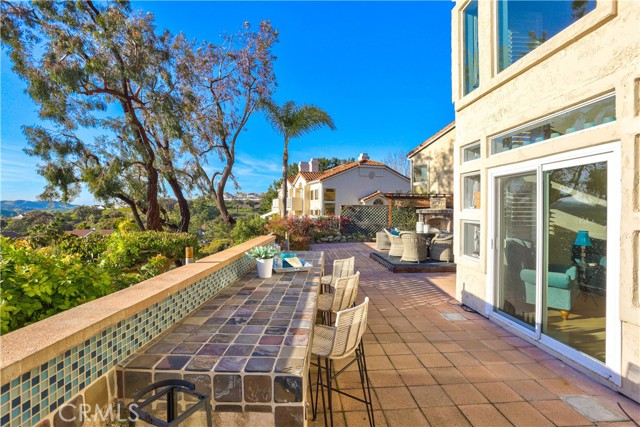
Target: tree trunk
x=219 y=193
x=183 y=205
x=153 y=209
x=285 y=161
x=134 y=211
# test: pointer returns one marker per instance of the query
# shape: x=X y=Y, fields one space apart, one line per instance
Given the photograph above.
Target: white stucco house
x=316 y=193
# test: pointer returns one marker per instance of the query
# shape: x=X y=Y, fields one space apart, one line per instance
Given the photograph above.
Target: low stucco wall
x=70 y=357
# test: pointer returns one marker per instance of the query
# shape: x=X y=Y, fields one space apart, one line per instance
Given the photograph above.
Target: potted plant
x=264 y=259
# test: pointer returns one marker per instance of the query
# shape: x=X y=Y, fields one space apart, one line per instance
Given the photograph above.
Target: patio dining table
x=248 y=348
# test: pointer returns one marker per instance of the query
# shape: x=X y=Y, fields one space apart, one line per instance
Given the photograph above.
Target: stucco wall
x=596 y=55
x=355 y=183
x=439 y=156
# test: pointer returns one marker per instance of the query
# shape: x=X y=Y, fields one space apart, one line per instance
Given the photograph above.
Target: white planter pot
x=265 y=267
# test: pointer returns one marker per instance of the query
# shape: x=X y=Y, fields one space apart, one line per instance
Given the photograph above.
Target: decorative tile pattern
x=28 y=399
x=252 y=341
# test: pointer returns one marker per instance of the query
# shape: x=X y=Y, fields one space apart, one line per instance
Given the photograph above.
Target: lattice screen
x=363 y=219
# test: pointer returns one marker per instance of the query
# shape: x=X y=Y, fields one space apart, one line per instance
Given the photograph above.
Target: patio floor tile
x=405 y=417
x=430 y=395
x=523 y=414
x=498 y=392
x=445 y=416
x=459 y=369
x=484 y=415
x=395 y=398
x=560 y=413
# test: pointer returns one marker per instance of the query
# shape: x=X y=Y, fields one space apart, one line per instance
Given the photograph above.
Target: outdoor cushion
x=394 y=232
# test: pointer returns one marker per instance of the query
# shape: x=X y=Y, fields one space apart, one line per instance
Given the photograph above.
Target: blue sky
x=381 y=69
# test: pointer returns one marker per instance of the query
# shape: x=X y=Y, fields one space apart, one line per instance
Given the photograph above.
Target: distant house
x=11 y=235
x=316 y=193
x=85 y=232
x=432 y=163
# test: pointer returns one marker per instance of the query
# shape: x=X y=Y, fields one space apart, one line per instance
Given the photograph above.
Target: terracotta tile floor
x=427 y=370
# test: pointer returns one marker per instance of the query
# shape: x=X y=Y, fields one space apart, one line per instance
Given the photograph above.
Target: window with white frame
x=471 y=239
x=471 y=191
x=589 y=114
x=471 y=152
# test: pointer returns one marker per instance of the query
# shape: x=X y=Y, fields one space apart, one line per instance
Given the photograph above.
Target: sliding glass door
x=516 y=229
x=576 y=257
x=554 y=253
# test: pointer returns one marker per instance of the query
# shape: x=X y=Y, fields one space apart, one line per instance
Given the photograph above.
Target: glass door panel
x=575 y=257
x=516 y=247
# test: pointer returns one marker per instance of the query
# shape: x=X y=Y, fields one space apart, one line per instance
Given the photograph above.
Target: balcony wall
x=71 y=357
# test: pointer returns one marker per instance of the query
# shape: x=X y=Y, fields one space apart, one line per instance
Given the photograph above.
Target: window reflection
x=525 y=25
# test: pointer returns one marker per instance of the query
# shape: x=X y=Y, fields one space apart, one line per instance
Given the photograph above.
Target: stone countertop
x=253 y=327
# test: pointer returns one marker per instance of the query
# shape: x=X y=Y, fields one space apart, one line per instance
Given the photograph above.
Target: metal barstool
x=341 y=268
x=169 y=388
x=336 y=343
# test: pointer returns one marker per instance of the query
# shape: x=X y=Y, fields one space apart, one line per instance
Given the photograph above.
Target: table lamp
x=583 y=240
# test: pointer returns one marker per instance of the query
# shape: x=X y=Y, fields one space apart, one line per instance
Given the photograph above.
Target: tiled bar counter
x=247 y=347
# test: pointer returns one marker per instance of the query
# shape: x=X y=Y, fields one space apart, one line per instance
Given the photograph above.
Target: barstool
x=336 y=343
x=169 y=388
x=341 y=268
x=343 y=296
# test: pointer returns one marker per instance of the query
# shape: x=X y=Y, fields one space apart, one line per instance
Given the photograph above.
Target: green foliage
x=132 y=249
x=38 y=283
x=247 y=228
x=216 y=246
x=404 y=218
x=263 y=252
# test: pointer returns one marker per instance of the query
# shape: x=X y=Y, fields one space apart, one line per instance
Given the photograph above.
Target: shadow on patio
x=433 y=363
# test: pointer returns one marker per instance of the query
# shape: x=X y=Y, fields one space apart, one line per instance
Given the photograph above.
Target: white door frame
x=610 y=153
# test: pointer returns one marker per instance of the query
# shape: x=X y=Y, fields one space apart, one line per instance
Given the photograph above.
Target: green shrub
x=38 y=283
x=216 y=246
x=247 y=228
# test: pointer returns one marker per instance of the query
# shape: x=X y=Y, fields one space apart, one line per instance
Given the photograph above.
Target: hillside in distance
x=17 y=207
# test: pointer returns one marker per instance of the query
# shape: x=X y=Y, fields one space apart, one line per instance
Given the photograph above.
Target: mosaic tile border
x=28 y=399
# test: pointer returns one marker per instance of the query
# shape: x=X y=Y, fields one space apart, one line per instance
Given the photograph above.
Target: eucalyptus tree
x=221 y=87
x=98 y=67
x=292 y=121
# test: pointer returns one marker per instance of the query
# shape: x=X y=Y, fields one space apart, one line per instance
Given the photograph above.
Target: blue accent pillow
x=394 y=232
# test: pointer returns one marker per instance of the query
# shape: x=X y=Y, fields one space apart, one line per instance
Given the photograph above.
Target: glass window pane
x=329 y=194
x=471 y=152
x=471 y=70
x=584 y=116
x=516 y=247
x=525 y=25
x=420 y=173
x=329 y=209
x=471 y=239
x=576 y=255
x=471 y=192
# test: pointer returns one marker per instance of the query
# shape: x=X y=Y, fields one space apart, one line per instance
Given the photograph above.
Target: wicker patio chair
x=343 y=296
x=336 y=343
x=341 y=268
x=414 y=247
x=396 y=248
x=442 y=247
x=382 y=241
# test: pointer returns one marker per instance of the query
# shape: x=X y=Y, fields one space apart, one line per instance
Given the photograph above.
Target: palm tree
x=292 y=121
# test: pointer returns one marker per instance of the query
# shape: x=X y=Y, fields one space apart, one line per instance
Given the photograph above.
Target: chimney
x=303 y=166
x=314 y=165
x=362 y=157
